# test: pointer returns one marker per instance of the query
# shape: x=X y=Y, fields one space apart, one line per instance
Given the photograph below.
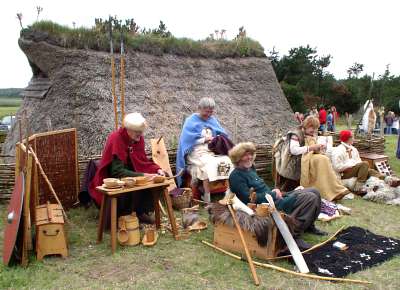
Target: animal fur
x=259 y=226
x=379 y=191
x=240 y=149
x=189 y=216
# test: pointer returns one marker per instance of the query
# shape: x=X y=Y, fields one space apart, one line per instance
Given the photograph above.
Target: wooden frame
x=67 y=200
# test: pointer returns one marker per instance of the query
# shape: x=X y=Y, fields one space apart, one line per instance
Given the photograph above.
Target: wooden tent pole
x=246 y=249
x=270 y=266
x=312 y=248
x=113 y=75
x=122 y=78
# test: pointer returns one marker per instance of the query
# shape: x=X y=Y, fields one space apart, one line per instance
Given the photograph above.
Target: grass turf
x=97 y=39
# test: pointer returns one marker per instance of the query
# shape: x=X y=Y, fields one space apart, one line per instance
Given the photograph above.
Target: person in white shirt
x=347 y=162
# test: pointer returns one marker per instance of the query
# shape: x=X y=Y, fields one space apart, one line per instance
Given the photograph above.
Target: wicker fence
x=263 y=162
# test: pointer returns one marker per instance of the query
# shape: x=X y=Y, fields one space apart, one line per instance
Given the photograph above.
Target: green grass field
x=189 y=264
x=9 y=105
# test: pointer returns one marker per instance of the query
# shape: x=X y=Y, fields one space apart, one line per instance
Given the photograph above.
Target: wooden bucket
x=132 y=227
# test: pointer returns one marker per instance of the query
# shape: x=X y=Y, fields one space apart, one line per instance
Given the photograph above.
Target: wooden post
x=170 y=211
x=235 y=132
x=246 y=249
x=102 y=215
x=113 y=224
x=381 y=117
x=350 y=121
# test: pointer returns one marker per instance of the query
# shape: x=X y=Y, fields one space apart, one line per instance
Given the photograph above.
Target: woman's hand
x=315 y=148
x=208 y=139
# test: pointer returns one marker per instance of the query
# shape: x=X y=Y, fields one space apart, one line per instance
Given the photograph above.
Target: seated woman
x=124 y=155
x=303 y=205
x=193 y=153
x=316 y=169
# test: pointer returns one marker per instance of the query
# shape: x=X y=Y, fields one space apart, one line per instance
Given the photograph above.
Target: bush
x=150 y=41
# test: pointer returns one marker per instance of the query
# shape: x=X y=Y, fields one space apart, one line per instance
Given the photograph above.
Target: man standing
x=389 y=119
x=347 y=162
x=322 y=118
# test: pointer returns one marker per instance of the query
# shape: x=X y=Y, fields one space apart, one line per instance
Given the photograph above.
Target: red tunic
x=322 y=116
x=119 y=144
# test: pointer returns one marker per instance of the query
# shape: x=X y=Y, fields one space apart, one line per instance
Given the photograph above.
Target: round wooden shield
x=14 y=213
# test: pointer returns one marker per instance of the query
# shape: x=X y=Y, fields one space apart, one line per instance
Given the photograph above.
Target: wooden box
x=371 y=158
x=378 y=162
x=50 y=233
x=227 y=238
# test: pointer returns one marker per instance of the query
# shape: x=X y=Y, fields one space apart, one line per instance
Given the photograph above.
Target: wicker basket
x=182 y=201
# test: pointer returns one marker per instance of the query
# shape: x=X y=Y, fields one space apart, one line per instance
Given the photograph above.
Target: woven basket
x=182 y=201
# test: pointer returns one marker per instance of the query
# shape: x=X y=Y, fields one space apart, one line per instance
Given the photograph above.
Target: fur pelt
x=259 y=226
x=379 y=191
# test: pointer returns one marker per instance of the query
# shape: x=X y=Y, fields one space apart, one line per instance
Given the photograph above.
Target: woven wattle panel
x=56 y=152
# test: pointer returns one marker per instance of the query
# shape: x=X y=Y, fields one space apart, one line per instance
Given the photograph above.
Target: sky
x=351 y=31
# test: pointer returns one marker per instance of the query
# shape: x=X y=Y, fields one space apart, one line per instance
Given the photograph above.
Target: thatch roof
x=163 y=88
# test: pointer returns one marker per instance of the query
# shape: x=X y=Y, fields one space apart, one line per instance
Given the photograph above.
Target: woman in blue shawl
x=193 y=154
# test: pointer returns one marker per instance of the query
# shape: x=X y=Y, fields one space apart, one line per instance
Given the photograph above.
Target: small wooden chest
x=50 y=233
x=378 y=162
x=227 y=238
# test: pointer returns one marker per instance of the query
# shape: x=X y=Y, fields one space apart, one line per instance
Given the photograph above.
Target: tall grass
x=92 y=38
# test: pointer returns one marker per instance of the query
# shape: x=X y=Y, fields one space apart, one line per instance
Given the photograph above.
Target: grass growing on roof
x=96 y=39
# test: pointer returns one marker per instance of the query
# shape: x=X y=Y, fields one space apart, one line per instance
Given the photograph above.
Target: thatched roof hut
x=72 y=88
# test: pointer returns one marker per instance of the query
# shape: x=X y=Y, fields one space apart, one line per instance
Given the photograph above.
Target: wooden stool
x=50 y=234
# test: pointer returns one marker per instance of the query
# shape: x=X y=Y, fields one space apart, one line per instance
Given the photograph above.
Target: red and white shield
x=14 y=213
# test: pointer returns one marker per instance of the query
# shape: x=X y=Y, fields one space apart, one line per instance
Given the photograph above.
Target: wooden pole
x=270 y=266
x=246 y=249
x=310 y=249
x=113 y=74
x=235 y=132
x=113 y=92
x=122 y=79
x=381 y=120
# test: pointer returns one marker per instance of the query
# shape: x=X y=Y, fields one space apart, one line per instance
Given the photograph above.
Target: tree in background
x=304 y=78
x=355 y=70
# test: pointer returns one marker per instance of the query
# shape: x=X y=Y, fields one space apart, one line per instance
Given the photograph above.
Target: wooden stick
x=310 y=249
x=311 y=276
x=246 y=249
x=122 y=77
x=162 y=208
x=122 y=87
x=200 y=201
x=47 y=181
x=113 y=92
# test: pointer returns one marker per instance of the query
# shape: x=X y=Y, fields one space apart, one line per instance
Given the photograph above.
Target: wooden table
x=157 y=189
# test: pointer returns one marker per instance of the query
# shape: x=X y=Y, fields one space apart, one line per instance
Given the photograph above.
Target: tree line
x=305 y=81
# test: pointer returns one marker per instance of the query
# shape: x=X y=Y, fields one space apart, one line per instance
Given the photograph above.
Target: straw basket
x=182 y=201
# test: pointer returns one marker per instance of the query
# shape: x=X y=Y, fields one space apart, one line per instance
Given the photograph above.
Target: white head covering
x=135 y=122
